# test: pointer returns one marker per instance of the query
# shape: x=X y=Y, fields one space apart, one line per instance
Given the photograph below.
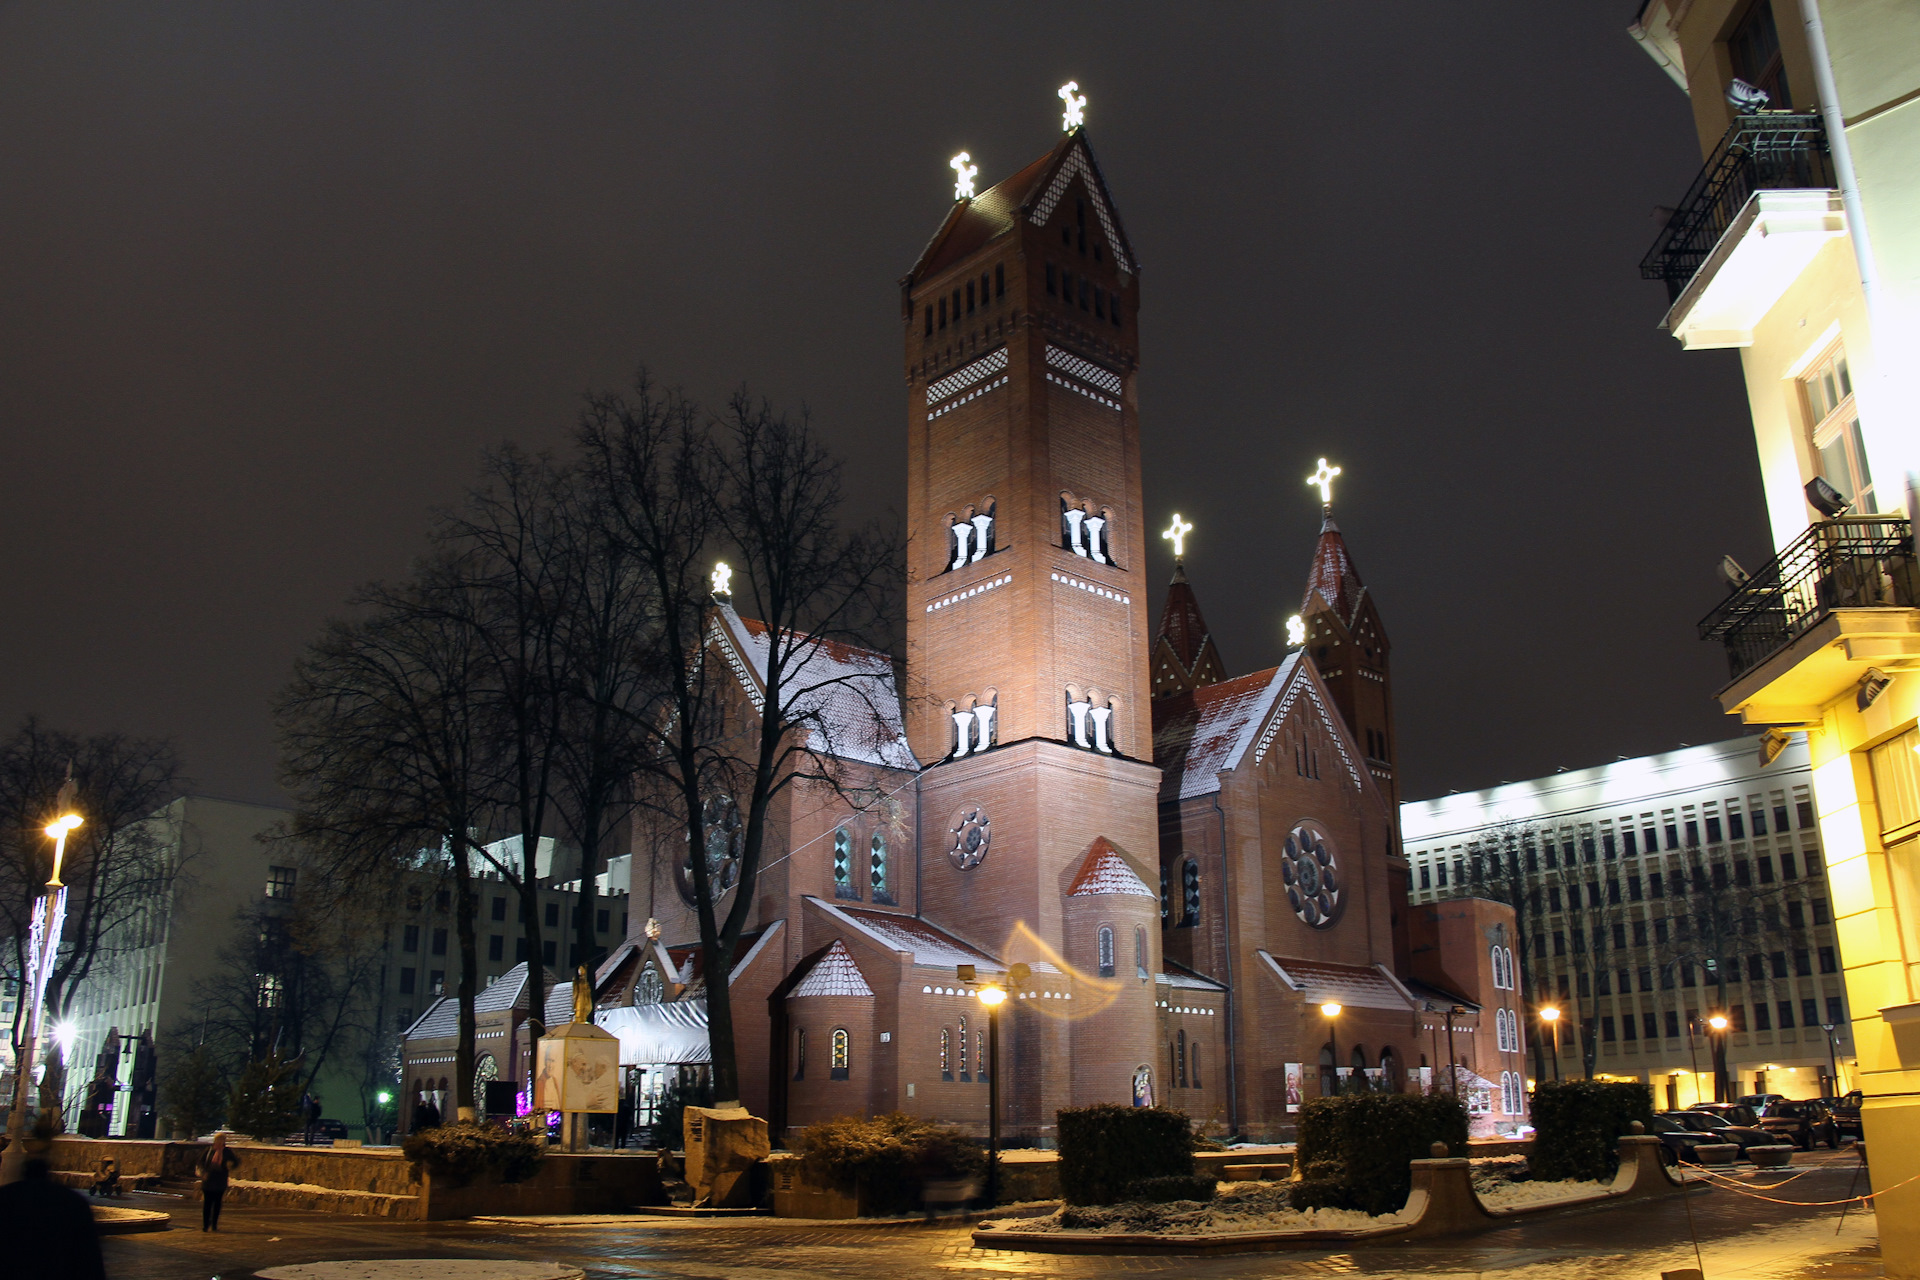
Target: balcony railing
x=1768 y=151
x=1855 y=562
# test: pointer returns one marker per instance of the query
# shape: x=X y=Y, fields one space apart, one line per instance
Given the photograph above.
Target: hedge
x=1198 y=1186
x=1578 y=1125
x=1355 y=1151
x=463 y=1151
x=1106 y=1149
x=887 y=1159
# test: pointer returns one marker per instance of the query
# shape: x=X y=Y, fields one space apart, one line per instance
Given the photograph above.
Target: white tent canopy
x=659 y=1033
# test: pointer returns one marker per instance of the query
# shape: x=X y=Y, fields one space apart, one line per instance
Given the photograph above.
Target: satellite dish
x=1732 y=574
x=1746 y=99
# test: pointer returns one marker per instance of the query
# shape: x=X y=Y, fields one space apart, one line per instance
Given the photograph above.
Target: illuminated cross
x=1296 y=632
x=1076 y=106
x=1324 y=478
x=722 y=578
x=963 y=176
x=1177 y=533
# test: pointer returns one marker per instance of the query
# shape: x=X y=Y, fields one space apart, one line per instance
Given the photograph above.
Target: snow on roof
x=928 y=946
x=834 y=974
x=1175 y=976
x=1207 y=736
x=508 y=991
x=1105 y=871
x=1357 y=986
x=844 y=692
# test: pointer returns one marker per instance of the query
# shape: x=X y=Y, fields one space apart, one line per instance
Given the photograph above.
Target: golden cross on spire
x=963 y=176
x=1324 y=479
x=1075 y=114
x=722 y=578
x=1296 y=632
x=1176 y=533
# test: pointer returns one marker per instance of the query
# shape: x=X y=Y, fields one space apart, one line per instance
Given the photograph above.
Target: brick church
x=1189 y=864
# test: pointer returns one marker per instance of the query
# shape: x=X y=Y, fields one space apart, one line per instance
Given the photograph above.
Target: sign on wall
x=1294 y=1089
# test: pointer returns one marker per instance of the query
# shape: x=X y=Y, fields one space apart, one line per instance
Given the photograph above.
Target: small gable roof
x=1200 y=735
x=508 y=991
x=846 y=694
x=1105 y=871
x=1032 y=193
x=1352 y=985
x=833 y=974
x=928 y=946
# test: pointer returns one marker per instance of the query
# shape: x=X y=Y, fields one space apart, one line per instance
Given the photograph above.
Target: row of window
x=1184 y=1060
x=1503 y=969
x=1139 y=952
x=878 y=872
x=1661 y=934
x=1189 y=895
x=1506 y=1029
x=977 y=295
x=1685 y=974
x=1088 y=296
x=1651 y=1025
x=1739 y=873
x=839 y=1054
x=437 y=939
x=953 y=1053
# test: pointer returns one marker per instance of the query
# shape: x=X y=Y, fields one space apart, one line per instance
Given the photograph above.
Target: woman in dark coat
x=213 y=1172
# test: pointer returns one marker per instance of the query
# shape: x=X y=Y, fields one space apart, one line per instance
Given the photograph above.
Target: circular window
x=721 y=817
x=968 y=837
x=1313 y=879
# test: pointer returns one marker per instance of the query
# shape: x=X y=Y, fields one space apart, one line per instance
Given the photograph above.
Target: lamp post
x=1331 y=1010
x=43 y=945
x=1833 y=1059
x=993 y=997
x=1550 y=1014
x=1717 y=1025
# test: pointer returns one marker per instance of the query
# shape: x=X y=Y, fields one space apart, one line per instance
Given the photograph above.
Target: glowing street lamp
x=993 y=996
x=43 y=945
x=1550 y=1014
x=1717 y=1027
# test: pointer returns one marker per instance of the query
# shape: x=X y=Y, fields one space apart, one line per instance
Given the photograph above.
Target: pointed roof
x=833 y=974
x=1031 y=193
x=1105 y=871
x=1180 y=620
x=1333 y=579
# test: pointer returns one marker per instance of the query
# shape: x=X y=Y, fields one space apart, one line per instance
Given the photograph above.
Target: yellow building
x=1799 y=245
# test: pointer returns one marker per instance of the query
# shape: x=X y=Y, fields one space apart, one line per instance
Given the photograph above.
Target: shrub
x=266 y=1099
x=1355 y=1151
x=1193 y=1186
x=465 y=1151
x=194 y=1093
x=1578 y=1125
x=888 y=1159
x=670 y=1118
x=1105 y=1149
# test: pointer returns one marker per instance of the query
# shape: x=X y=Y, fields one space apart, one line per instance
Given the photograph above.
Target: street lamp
x=1331 y=1010
x=1550 y=1014
x=1717 y=1024
x=43 y=945
x=993 y=997
x=1833 y=1056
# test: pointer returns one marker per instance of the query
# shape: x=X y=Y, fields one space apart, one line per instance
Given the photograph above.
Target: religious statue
x=582 y=995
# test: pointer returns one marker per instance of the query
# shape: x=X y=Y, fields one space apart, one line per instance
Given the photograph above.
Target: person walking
x=48 y=1229
x=213 y=1174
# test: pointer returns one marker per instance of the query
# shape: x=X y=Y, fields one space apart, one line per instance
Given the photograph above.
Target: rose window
x=721 y=818
x=1313 y=880
x=968 y=838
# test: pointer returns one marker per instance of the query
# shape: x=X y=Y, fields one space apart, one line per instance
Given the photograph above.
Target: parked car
x=1731 y=1112
x=324 y=1132
x=1679 y=1140
x=1716 y=1126
x=1846 y=1113
x=1759 y=1101
x=1802 y=1123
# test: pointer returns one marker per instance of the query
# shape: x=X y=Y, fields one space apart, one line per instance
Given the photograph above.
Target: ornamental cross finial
x=722 y=578
x=1176 y=533
x=1076 y=101
x=963 y=176
x=1324 y=479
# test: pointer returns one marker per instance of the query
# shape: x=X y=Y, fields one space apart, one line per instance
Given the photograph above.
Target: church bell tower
x=1027 y=631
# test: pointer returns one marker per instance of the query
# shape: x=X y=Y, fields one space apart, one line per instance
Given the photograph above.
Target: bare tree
x=384 y=745
x=117 y=865
x=757 y=488
x=1501 y=861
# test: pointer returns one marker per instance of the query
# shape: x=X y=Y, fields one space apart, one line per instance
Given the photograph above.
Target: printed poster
x=1294 y=1089
x=577 y=1074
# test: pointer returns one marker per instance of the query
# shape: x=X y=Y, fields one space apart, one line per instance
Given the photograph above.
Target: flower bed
x=1238 y=1206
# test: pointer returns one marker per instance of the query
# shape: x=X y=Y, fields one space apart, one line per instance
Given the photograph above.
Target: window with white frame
x=1833 y=425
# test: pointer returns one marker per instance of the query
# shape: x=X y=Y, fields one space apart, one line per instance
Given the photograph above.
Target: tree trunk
x=463 y=1054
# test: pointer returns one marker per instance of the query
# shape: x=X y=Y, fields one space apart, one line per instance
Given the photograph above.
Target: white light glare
x=963 y=176
x=1296 y=632
x=722 y=578
x=1075 y=114
x=1176 y=533
x=1323 y=478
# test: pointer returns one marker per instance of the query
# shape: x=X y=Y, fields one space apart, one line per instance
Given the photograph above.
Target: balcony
x=1752 y=221
x=1798 y=633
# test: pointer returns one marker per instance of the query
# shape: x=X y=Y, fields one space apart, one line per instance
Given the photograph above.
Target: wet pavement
x=1740 y=1238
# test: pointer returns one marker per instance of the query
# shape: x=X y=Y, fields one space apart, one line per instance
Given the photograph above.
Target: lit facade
x=1799 y=246
x=1653 y=894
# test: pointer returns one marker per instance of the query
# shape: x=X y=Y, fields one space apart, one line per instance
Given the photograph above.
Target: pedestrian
x=47 y=1228
x=213 y=1173
x=312 y=1111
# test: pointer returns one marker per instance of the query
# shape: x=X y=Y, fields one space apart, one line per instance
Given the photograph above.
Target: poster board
x=1295 y=1090
x=577 y=1073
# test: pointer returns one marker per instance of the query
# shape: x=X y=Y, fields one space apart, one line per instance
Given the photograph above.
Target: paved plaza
x=1741 y=1238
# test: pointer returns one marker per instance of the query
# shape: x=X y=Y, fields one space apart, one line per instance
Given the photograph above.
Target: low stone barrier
x=1770 y=1157
x=1441 y=1203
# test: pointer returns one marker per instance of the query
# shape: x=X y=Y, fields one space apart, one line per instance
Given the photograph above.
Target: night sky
x=275 y=274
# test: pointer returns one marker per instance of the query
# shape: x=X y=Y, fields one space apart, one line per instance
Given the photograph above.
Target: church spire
x=1184 y=656
x=1332 y=583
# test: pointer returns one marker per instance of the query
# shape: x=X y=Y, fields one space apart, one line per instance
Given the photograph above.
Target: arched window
x=1499 y=982
x=980 y=1056
x=1166 y=896
x=964 y=1073
x=877 y=868
x=1140 y=952
x=843 y=864
x=946 y=1054
x=800 y=1053
x=1193 y=1061
x=1106 y=951
x=1180 y=1059
x=841 y=1055
x=1190 y=891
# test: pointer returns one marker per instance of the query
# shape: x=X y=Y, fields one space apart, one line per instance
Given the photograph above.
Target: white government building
x=1647 y=881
